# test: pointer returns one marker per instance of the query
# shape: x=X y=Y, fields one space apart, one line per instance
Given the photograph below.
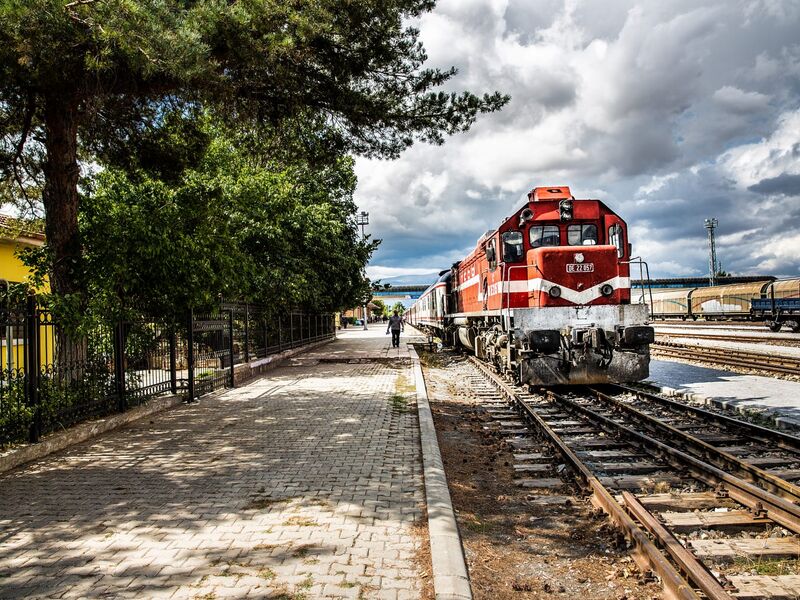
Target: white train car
x=429 y=311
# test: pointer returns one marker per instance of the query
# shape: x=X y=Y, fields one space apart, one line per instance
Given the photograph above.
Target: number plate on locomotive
x=580 y=267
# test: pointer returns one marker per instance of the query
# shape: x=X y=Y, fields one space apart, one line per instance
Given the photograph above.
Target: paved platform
x=750 y=392
x=303 y=484
x=374 y=343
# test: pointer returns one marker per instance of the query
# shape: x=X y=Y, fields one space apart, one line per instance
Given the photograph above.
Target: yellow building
x=14 y=236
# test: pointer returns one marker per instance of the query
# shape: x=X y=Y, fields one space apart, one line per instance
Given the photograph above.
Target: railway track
x=764 y=338
x=784 y=365
x=696 y=494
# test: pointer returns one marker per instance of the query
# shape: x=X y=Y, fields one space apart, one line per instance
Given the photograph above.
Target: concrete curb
x=82 y=432
x=450 y=576
x=780 y=422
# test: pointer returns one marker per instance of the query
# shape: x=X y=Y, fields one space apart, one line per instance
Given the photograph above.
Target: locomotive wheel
x=775 y=326
x=795 y=326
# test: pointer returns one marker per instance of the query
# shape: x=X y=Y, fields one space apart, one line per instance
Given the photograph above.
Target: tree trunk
x=60 y=193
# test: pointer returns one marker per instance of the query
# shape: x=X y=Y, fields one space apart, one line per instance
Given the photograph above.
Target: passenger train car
x=777 y=303
x=546 y=296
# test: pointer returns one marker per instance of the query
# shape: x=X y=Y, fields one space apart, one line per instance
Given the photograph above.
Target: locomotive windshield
x=546 y=235
x=582 y=235
x=512 y=246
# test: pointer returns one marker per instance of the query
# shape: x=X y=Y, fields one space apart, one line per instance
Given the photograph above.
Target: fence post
x=173 y=364
x=230 y=345
x=302 y=338
x=246 y=333
x=32 y=368
x=190 y=355
x=291 y=330
x=119 y=365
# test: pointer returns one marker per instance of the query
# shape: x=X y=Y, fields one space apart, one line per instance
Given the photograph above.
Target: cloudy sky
x=670 y=112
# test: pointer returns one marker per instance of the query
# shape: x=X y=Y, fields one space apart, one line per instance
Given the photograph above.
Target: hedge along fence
x=50 y=380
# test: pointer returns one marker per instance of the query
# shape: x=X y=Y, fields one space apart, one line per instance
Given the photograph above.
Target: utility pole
x=362 y=220
x=711 y=224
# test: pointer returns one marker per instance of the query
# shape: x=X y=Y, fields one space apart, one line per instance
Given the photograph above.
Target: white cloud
x=654 y=107
x=772 y=156
x=656 y=183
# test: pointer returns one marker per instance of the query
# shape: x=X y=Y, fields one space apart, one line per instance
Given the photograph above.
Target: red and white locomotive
x=546 y=296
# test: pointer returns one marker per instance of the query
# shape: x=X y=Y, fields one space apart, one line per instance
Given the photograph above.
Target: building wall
x=11 y=267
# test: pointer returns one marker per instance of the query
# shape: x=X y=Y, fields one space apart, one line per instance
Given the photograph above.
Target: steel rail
x=722 y=337
x=704 y=450
x=645 y=553
x=753 y=497
x=688 y=563
x=781 y=439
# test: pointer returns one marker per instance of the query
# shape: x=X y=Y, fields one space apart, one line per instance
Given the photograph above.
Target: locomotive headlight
x=555 y=291
x=606 y=290
x=579 y=258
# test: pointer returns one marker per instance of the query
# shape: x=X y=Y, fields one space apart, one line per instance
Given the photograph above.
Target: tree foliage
x=280 y=235
x=88 y=78
x=380 y=310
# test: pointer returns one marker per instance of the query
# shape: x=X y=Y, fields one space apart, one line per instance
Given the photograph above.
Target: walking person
x=395 y=326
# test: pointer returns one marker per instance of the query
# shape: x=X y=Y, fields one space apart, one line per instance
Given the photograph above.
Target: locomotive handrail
x=637 y=260
x=507 y=278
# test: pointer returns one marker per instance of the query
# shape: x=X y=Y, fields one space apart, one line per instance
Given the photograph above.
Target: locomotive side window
x=491 y=254
x=545 y=235
x=582 y=235
x=616 y=237
x=512 y=246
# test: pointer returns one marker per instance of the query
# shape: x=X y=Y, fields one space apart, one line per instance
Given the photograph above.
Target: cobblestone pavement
x=304 y=484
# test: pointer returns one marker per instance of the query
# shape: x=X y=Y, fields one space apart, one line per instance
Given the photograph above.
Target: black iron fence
x=51 y=379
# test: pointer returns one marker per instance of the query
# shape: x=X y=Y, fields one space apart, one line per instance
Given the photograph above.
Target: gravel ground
x=520 y=543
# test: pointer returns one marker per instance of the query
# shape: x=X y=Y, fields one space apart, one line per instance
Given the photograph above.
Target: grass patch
x=399 y=403
x=267 y=574
x=301 y=522
x=474 y=524
x=769 y=567
x=403 y=386
x=348 y=584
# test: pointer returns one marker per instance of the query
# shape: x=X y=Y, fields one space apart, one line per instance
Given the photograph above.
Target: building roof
x=11 y=227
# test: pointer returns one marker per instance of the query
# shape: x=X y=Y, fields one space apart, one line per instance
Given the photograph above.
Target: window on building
x=617 y=238
x=545 y=235
x=512 y=246
x=582 y=235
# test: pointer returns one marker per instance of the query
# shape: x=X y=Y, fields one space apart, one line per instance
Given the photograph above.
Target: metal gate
x=210 y=359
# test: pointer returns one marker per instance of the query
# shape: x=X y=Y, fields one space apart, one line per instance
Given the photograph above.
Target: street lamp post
x=362 y=220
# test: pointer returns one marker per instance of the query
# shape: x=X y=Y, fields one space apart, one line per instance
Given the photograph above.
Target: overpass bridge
x=407 y=294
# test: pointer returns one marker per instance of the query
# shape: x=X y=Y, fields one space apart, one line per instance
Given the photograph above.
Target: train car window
x=545 y=235
x=582 y=235
x=512 y=246
x=616 y=237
